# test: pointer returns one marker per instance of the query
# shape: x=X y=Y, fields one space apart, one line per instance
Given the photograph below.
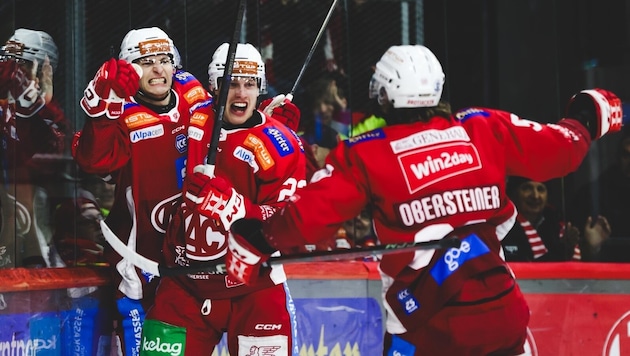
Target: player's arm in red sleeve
x=103 y=145
x=334 y=195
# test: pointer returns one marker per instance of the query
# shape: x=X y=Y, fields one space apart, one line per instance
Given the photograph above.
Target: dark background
x=525 y=56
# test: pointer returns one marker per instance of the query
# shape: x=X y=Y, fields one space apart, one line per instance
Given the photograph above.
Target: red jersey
x=145 y=152
x=419 y=174
x=264 y=162
x=44 y=132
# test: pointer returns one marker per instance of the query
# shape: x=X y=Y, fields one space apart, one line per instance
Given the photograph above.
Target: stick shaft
x=223 y=91
x=321 y=256
x=314 y=46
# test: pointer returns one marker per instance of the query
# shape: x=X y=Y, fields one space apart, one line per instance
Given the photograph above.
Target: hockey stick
x=278 y=99
x=223 y=92
x=156 y=269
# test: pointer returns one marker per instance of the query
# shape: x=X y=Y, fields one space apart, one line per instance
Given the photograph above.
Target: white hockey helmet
x=145 y=42
x=247 y=63
x=32 y=45
x=408 y=76
x=177 y=58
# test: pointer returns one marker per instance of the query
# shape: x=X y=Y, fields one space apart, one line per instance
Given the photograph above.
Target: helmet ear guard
x=408 y=76
x=31 y=45
x=247 y=63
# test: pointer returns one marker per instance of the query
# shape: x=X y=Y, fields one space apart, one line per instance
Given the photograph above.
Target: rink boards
x=577 y=309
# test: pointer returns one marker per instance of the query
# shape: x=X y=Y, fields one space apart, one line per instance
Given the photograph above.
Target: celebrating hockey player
x=31 y=121
x=139 y=110
x=259 y=164
x=428 y=174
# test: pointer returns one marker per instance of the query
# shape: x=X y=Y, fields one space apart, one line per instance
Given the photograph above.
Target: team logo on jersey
x=246 y=156
x=147 y=133
x=140 y=119
x=195 y=133
x=423 y=167
x=429 y=137
x=195 y=94
x=161 y=213
x=181 y=143
x=377 y=134
x=203 y=240
x=469 y=113
x=260 y=151
x=198 y=119
x=279 y=140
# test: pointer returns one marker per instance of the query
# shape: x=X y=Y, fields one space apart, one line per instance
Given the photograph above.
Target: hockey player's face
x=157 y=77
x=241 y=100
x=531 y=197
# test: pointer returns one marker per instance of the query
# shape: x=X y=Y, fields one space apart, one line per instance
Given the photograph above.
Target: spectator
x=540 y=233
x=31 y=121
x=318 y=141
x=328 y=105
x=608 y=197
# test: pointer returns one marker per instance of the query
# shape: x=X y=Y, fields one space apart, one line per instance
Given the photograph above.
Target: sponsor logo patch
x=198 y=119
x=471 y=247
x=260 y=151
x=279 y=141
x=154 y=46
x=147 y=133
x=140 y=119
x=466 y=114
x=246 y=156
x=195 y=94
x=424 y=167
x=377 y=134
x=195 y=133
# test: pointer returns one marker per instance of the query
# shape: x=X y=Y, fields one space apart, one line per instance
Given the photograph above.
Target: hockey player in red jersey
x=259 y=163
x=139 y=112
x=31 y=121
x=428 y=174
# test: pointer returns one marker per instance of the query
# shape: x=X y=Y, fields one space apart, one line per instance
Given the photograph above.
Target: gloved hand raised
x=215 y=198
x=114 y=82
x=14 y=80
x=247 y=250
x=282 y=109
x=598 y=110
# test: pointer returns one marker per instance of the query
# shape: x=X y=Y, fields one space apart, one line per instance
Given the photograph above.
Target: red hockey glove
x=217 y=199
x=13 y=79
x=598 y=110
x=114 y=82
x=7 y=72
x=247 y=250
x=282 y=109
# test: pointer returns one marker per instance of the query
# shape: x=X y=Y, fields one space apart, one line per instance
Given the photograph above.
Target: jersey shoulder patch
x=183 y=77
x=464 y=115
x=377 y=134
x=280 y=141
